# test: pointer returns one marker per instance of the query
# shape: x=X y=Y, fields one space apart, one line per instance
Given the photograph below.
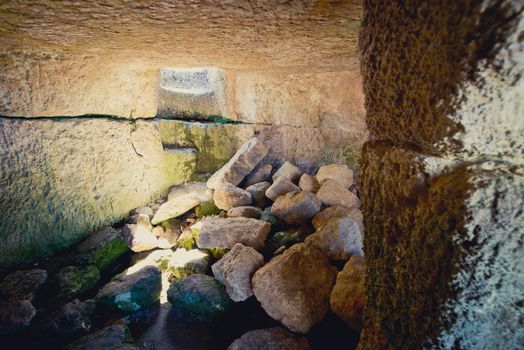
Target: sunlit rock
x=260 y=174
x=140 y=237
x=296 y=207
x=332 y=193
x=235 y=270
x=280 y=186
x=227 y=196
x=184 y=263
x=216 y=232
x=289 y=171
x=258 y=193
x=348 y=295
x=308 y=183
x=294 y=287
x=175 y=207
x=245 y=212
x=337 y=172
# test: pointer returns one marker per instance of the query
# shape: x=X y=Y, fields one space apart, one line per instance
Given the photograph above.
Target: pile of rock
x=251 y=230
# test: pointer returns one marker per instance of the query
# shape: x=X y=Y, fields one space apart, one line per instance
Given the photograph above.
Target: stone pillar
x=443 y=178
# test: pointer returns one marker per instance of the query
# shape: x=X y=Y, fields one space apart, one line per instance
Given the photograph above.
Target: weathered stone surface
x=135 y=288
x=289 y=171
x=85 y=173
x=142 y=210
x=198 y=189
x=112 y=337
x=66 y=324
x=258 y=193
x=348 y=295
x=217 y=232
x=294 y=287
x=22 y=285
x=269 y=339
x=296 y=208
x=140 y=237
x=192 y=92
x=76 y=280
x=337 y=172
x=245 y=212
x=15 y=315
x=235 y=270
x=186 y=240
x=184 y=263
x=261 y=173
x=206 y=209
x=167 y=234
x=332 y=193
x=240 y=165
x=282 y=185
x=200 y=295
x=228 y=196
x=328 y=214
x=338 y=239
x=100 y=248
x=175 y=207
x=308 y=183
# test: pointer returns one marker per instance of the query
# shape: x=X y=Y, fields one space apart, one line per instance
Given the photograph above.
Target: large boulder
x=217 y=232
x=235 y=270
x=260 y=174
x=15 y=315
x=175 y=207
x=100 y=249
x=240 y=165
x=270 y=339
x=66 y=324
x=337 y=172
x=22 y=285
x=184 y=263
x=140 y=237
x=295 y=208
x=338 y=239
x=245 y=212
x=332 y=193
x=75 y=280
x=228 y=196
x=258 y=193
x=135 y=288
x=348 y=296
x=115 y=337
x=280 y=186
x=199 y=295
x=289 y=171
x=294 y=287
x=308 y=183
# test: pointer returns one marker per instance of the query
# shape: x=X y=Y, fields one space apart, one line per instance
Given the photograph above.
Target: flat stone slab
x=217 y=232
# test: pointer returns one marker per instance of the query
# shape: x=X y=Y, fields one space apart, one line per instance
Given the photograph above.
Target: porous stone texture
x=217 y=232
x=184 y=263
x=308 y=183
x=235 y=270
x=332 y=193
x=240 y=165
x=294 y=287
x=198 y=189
x=281 y=186
x=328 y=214
x=296 y=208
x=176 y=206
x=260 y=174
x=84 y=173
x=348 y=294
x=228 y=196
x=269 y=339
x=246 y=212
x=258 y=193
x=22 y=285
x=337 y=172
x=288 y=171
x=140 y=237
x=441 y=184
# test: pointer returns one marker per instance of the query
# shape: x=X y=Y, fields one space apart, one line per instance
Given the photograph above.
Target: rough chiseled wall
x=62 y=178
x=443 y=178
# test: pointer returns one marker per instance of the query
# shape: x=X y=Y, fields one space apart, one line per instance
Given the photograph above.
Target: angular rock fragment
x=260 y=174
x=245 y=212
x=258 y=193
x=240 y=165
x=328 y=214
x=15 y=315
x=100 y=249
x=228 y=196
x=186 y=240
x=199 y=295
x=338 y=239
x=348 y=296
x=217 y=232
x=166 y=235
x=294 y=287
x=235 y=270
x=270 y=339
x=332 y=193
x=76 y=280
x=337 y=172
x=133 y=289
x=184 y=263
x=296 y=208
x=112 y=337
x=281 y=186
x=140 y=237
x=22 y=285
x=308 y=183
x=176 y=207
x=289 y=171
x=198 y=189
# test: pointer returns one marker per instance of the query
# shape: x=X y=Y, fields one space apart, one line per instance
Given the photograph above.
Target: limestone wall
x=442 y=181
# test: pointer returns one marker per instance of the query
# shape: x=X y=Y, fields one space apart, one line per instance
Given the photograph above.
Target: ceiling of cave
x=235 y=34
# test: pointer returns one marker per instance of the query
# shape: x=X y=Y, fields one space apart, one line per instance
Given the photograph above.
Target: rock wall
x=443 y=178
